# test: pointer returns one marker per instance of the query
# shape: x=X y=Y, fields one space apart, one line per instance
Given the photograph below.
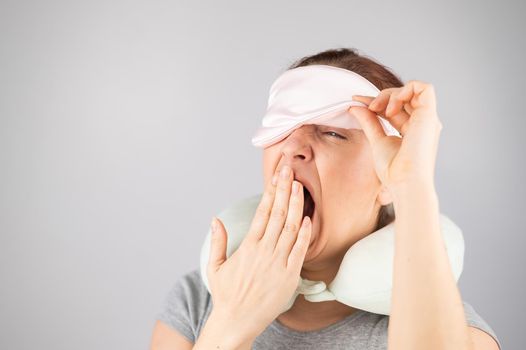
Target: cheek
x=349 y=180
x=362 y=166
x=356 y=178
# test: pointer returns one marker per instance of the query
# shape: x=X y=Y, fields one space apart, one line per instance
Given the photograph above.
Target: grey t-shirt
x=188 y=305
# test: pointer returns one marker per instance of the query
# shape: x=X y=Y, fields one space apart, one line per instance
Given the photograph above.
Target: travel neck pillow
x=364 y=278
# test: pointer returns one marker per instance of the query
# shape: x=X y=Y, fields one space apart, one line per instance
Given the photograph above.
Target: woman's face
x=336 y=165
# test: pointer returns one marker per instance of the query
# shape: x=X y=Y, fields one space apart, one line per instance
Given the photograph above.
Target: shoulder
x=379 y=324
x=474 y=320
x=187 y=305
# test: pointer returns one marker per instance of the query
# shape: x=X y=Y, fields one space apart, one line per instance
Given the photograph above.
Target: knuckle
x=279 y=259
x=262 y=211
x=298 y=198
x=278 y=213
x=248 y=240
x=283 y=185
x=269 y=191
x=290 y=227
x=430 y=88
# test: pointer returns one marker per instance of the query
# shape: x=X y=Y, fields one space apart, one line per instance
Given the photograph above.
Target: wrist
x=224 y=331
x=415 y=187
x=415 y=200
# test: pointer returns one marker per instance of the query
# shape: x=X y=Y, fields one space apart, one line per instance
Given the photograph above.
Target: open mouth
x=308 y=203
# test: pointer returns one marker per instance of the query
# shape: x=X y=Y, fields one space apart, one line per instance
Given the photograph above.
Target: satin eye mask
x=364 y=278
x=314 y=94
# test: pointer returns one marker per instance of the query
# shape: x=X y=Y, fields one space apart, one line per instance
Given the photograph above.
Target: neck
x=323 y=268
x=303 y=313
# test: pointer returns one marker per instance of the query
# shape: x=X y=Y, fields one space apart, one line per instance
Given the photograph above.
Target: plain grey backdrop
x=126 y=125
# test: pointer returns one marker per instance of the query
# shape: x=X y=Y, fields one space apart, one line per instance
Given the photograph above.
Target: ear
x=384 y=196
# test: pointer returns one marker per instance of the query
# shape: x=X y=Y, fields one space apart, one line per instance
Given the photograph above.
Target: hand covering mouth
x=309 y=196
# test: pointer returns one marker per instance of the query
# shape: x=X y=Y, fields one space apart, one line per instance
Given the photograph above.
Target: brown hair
x=378 y=74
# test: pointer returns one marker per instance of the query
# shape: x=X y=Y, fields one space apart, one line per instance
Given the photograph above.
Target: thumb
x=369 y=122
x=218 y=242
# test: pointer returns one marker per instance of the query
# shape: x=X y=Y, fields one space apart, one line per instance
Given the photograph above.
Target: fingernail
x=307 y=221
x=295 y=187
x=285 y=171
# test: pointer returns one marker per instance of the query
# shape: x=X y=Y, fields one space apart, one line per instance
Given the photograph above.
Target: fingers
x=292 y=224
x=218 y=244
x=391 y=104
x=262 y=216
x=395 y=110
x=369 y=122
x=420 y=93
x=299 y=250
x=397 y=104
x=279 y=210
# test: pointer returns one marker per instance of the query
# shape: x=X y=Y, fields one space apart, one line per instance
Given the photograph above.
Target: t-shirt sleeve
x=185 y=307
x=475 y=320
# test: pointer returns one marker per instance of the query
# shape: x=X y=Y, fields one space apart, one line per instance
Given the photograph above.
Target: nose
x=297 y=146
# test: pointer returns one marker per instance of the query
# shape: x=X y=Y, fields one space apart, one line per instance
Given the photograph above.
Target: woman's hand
x=411 y=109
x=258 y=280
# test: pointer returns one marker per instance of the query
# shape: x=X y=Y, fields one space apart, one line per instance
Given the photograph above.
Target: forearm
x=222 y=332
x=426 y=305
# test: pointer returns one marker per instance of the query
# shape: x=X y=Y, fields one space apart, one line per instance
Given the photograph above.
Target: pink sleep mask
x=315 y=94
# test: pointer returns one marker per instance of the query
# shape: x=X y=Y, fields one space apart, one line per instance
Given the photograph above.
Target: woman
x=356 y=178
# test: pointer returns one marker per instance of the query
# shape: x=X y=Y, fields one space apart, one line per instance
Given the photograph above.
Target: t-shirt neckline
x=285 y=329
